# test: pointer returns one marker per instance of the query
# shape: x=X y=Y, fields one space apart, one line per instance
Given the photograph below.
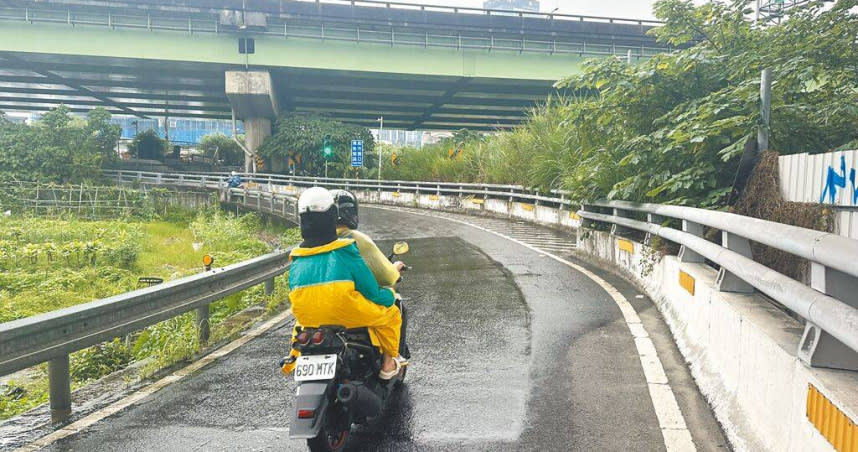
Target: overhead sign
x=357 y=153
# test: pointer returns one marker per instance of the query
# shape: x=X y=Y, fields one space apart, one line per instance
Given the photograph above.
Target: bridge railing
x=276 y=183
x=828 y=305
x=52 y=336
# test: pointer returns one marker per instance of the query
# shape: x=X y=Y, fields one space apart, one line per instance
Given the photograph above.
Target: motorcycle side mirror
x=400 y=248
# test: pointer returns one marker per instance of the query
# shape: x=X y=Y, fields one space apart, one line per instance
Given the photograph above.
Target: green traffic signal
x=327 y=149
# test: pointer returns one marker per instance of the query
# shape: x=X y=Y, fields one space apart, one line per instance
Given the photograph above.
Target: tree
x=218 y=146
x=148 y=145
x=301 y=137
x=55 y=149
x=671 y=128
x=104 y=134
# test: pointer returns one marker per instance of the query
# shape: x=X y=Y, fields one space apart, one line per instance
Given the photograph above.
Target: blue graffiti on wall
x=834 y=181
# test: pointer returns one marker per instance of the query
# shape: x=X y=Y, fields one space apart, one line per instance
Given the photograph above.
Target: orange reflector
x=686 y=281
x=207 y=260
x=306 y=414
x=834 y=425
x=626 y=246
x=527 y=207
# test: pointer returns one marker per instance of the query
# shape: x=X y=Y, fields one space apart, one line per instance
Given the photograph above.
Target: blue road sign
x=357 y=153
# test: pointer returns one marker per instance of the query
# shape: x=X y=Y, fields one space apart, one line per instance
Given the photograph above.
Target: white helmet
x=233 y=173
x=315 y=199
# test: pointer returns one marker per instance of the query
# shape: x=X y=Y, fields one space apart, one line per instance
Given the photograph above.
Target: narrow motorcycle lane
x=511 y=351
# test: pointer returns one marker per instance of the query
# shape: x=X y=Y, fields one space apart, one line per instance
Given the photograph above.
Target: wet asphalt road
x=511 y=351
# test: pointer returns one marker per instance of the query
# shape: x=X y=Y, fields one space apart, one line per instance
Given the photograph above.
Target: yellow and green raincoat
x=332 y=285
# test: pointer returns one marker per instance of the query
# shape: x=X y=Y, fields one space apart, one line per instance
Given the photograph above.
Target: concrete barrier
x=741 y=351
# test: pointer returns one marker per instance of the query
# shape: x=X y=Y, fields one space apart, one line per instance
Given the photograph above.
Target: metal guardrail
x=485 y=11
x=52 y=336
x=829 y=305
x=270 y=183
x=828 y=308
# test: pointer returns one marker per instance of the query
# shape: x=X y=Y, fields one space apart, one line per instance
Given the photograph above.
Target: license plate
x=315 y=367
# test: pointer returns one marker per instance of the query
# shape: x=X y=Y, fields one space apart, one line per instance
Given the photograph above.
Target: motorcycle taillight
x=318 y=337
x=303 y=338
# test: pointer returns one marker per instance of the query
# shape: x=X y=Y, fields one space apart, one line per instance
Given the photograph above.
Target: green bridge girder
x=157 y=73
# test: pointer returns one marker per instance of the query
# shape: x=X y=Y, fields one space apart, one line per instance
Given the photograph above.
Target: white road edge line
x=677 y=437
x=142 y=393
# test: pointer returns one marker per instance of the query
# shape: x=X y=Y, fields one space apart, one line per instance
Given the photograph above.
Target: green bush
x=672 y=128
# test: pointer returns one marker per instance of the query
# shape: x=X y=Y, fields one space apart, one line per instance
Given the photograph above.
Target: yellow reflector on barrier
x=574 y=216
x=835 y=426
x=626 y=246
x=433 y=197
x=528 y=207
x=478 y=201
x=686 y=281
x=395 y=194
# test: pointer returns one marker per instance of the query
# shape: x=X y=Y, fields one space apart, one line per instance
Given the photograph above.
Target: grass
x=48 y=264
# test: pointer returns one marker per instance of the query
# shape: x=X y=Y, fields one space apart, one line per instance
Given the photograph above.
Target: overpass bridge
x=524 y=342
x=421 y=67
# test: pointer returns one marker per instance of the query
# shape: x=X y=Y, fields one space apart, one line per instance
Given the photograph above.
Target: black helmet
x=347 y=208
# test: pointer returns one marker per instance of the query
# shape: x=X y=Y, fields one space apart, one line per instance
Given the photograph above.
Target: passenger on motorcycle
x=385 y=272
x=330 y=284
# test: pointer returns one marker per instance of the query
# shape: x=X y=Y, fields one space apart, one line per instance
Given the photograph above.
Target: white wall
x=804 y=178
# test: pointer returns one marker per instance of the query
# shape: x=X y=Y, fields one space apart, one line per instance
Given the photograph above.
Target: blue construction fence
x=184 y=132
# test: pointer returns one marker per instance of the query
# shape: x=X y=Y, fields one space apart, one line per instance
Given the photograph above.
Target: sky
x=631 y=9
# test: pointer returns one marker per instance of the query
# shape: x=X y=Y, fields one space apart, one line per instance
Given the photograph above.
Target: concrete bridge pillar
x=253 y=99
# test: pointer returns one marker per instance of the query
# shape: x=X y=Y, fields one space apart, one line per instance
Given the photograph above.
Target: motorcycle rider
x=385 y=272
x=330 y=284
x=234 y=180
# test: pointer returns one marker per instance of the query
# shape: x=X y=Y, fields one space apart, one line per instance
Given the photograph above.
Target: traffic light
x=327 y=148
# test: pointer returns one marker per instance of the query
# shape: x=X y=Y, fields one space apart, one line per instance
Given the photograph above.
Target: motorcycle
x=338 y=384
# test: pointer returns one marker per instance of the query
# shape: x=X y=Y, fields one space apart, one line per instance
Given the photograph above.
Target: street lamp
x=380 y=129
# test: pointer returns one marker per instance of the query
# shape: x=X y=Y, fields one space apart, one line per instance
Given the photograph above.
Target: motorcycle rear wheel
x=334 y=435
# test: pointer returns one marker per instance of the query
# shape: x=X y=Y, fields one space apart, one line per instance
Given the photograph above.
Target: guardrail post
x=656 y=219
x=685 y=253
x=59 y=381
x=158 y=179
x=269 y=286
x=203 y=323
x=818 y=348
x=139 y=176
x=726 y=281
x=618 y=229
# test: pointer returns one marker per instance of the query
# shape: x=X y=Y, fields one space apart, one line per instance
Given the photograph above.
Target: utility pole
x=380 y=129
x=765 y=110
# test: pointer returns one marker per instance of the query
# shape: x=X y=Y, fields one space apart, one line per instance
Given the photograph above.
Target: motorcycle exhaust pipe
x=360 y=399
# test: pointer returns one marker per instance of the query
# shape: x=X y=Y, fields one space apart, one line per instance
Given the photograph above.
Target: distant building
x=182 y=131
x=513 y=5
x=400 y=137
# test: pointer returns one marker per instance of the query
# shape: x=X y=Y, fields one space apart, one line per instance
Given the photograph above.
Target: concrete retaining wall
x=741 y=350
x=546 y=216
